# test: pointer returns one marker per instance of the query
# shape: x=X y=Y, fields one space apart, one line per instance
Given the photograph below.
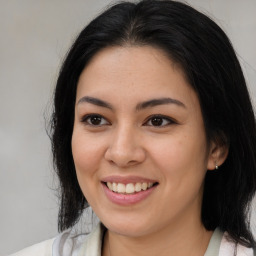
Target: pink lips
x=126 y=199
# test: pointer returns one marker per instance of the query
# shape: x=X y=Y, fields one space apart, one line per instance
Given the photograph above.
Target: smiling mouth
x=130 y=188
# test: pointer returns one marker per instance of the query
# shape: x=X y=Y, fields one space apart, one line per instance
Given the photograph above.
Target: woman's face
x=139 y=131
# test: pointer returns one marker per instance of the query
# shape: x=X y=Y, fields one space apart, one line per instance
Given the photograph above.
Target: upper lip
x=127 y=179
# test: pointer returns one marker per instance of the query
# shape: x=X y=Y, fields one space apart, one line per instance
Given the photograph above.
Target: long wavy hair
x=204 y=52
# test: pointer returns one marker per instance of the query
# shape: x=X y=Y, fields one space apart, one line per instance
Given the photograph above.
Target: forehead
x=147 y=57
x=132 y=73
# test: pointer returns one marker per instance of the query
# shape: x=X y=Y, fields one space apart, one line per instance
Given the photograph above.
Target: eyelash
x=87 y=119
x=166 y=119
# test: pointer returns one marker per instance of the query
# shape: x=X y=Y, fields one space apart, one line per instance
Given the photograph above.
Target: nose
x=125 y=148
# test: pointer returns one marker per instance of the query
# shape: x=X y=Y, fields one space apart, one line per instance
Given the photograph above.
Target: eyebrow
x=95 y=101
x=139 y=106
x=157 y=102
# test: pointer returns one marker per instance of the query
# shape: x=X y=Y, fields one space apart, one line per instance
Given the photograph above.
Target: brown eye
x=159 y=121
x=95 y=120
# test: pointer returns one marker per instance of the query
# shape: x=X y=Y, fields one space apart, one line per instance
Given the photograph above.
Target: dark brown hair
x=206 y=56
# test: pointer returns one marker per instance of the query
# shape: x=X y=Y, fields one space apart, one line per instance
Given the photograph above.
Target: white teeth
x=129 y=188
x=144 y=186
x=109 y=184
x=121 y=188
x=138 y=187
x=114 y=187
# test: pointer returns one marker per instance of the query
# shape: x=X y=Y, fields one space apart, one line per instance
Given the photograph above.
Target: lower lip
x=127 y=199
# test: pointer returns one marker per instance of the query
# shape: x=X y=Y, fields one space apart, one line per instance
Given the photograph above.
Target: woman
x=154 y=129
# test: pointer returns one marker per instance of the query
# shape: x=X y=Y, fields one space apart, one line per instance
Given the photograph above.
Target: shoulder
x=230 y=248
x=40 y=249
x=68 y=243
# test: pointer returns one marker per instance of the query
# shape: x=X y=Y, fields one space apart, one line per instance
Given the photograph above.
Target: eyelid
x=87 y=116
x=169 y=119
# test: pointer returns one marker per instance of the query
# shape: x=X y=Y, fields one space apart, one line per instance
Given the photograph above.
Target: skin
x=175 y=154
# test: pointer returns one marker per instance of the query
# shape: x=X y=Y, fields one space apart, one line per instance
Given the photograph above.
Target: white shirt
x=70 y=244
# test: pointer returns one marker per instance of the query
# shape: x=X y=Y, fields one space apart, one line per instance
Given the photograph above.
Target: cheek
x=87 y=157
x=181 y=156
x=171 y=152
x=86 y=154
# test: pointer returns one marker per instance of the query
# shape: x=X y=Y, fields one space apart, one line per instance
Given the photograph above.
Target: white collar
x=71 y=244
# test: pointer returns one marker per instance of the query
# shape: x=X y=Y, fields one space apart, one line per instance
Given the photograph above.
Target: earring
x=216 y=167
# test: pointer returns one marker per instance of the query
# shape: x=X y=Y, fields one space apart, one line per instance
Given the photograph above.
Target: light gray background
x=34 y=36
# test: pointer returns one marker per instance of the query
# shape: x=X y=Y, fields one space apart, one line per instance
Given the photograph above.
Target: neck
x=183 y=240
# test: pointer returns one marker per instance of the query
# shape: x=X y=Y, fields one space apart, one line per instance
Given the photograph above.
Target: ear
x=217 y=155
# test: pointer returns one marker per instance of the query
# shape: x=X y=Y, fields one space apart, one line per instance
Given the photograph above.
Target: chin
x=128 y=227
